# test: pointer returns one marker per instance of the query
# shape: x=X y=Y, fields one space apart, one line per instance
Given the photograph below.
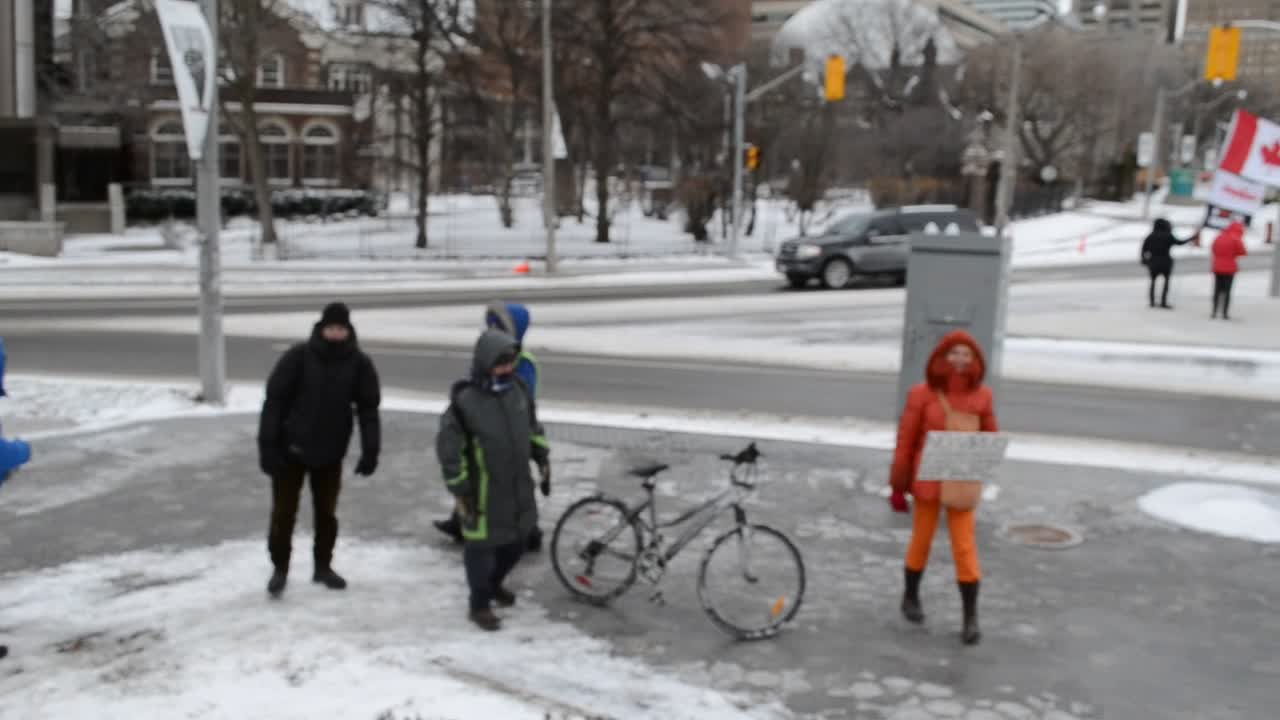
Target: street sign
x=1188 y=149
x=1223 y=55
x=1048 y=173
x=1146 y=149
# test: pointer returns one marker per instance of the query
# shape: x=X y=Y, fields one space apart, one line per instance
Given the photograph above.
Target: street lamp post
x=739 y=73
x=550 y=210
x=212 y=348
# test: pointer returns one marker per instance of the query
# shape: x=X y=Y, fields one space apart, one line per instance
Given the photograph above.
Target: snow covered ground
x=1220 y=509
x=180 y=634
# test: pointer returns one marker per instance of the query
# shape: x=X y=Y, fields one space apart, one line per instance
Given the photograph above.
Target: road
x=276 y=301
x=1202 y=422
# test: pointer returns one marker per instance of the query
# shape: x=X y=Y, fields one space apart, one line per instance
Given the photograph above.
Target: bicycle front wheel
x=595 y=548
x=751 y=582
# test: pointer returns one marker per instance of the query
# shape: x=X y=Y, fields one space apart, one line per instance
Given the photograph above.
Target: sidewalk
x=1118 y=627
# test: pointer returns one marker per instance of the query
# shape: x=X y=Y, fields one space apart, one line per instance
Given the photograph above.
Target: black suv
x=869 y=243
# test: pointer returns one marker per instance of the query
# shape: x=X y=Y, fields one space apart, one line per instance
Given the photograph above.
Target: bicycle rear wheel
x=595 y=548
x=751 y=582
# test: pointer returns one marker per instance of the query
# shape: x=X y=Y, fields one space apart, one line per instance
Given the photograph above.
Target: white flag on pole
x=559 y=148
x=195 y=70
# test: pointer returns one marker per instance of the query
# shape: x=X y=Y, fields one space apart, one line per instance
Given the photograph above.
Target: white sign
x=1210 y=158
x=1146 y=149
x=1252 y=150
x=1188 y=149
x=1236 y=194
x=195 y=69
x=963 y=456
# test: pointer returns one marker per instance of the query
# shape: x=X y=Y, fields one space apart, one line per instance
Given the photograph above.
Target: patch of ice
x=1219 y=509
x=191 y=633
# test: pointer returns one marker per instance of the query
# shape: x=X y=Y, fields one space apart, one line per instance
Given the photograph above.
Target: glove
x=271 y=461
x=898 y=501
x=544 y=469
x=367 y=466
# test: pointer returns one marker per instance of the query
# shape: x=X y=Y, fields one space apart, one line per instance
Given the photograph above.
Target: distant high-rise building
x=1017 y=13
x=1259 y=49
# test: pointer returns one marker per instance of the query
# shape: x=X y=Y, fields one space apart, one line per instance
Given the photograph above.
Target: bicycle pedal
x=658 y=599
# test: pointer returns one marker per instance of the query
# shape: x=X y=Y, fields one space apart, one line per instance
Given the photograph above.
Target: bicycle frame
x=703 y=514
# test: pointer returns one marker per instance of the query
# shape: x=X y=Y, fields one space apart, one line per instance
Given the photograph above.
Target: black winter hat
x=335 y=314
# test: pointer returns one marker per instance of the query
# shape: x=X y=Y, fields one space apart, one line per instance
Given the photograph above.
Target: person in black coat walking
x=305 y=429
x=1156 y=255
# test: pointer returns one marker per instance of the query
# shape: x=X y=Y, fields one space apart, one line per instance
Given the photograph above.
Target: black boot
x=503 y=597
x=451 y=527
x=971 y=635
x=485 y=620
x=911 y=609
x=275 y=587
x=328 y=578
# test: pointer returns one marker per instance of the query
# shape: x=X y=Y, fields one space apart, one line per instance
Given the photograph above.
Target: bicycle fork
x=744 y=544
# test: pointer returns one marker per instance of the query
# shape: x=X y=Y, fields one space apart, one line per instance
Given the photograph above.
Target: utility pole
x=1156 y=122
x=739 y=149
x=1009 y=163
x=549 y=207
x=212 y=347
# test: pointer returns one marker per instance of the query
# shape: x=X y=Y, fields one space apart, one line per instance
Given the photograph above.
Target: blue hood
x=2 y=392
x=511 y=318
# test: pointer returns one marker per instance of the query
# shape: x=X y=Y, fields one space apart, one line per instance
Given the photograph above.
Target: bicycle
x=632 y=536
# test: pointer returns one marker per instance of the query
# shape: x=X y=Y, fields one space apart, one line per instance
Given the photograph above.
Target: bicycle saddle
x=649 y=471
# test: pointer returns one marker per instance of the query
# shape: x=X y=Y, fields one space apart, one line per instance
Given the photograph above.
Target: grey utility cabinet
x=955 y=281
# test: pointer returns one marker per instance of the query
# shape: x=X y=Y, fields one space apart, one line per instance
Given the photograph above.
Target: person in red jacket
x=953 y=384
x=1227 y=250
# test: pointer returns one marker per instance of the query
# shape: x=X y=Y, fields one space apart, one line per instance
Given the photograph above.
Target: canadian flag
x=1252 y=150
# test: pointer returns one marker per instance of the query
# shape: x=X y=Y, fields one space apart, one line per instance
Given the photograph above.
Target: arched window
x=170 y=163
x=276 y=145
x=229 y=154
x=320 y=154
x=271 y=71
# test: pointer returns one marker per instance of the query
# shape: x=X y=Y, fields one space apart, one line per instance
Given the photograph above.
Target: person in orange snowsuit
x=953 y=385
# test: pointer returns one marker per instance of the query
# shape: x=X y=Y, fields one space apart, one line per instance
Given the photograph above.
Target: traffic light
x=835 y=78
x=753 y=157
x=1224 y=53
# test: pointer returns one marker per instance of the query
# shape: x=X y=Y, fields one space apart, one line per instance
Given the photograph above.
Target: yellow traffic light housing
x=753 y=157
x=835 y=78
x=1223 y=57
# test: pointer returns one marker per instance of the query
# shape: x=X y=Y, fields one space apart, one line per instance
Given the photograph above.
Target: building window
x=229 y=159
x=271 y=71
x=161 y=70
x=350 y=14
x=276 y=145
x=350 y=77
x=320 y=155
x=170 y=163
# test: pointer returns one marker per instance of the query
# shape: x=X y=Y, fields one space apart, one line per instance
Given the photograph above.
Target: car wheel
x=798 y=282
x=837 y=273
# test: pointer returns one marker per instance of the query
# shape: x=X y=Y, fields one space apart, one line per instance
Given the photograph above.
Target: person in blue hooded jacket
x=514 y=320
x=13 y=453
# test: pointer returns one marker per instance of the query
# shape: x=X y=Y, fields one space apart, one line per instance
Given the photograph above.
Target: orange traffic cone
x=522 y=268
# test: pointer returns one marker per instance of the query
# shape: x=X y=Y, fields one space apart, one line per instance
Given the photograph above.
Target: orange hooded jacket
x=924 y=412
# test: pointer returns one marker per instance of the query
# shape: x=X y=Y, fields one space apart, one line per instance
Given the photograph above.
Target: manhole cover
x=1042 y=535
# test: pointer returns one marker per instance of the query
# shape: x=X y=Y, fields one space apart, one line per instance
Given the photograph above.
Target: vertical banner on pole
x=190 y=46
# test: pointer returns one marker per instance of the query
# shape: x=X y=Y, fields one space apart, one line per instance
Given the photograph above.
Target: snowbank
x=191 y=633
x=1227 y=510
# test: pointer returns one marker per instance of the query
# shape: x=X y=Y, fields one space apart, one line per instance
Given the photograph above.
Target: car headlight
x=808 y=252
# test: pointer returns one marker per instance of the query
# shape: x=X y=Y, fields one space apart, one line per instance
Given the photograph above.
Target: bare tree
x=422 y=26
x=616 y=55
x=249 y=23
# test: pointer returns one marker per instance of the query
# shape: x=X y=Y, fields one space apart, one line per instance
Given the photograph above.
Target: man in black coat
x=1157 y=256
x=305 y=430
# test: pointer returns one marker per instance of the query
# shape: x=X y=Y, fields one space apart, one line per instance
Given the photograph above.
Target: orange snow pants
x=964 y=541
